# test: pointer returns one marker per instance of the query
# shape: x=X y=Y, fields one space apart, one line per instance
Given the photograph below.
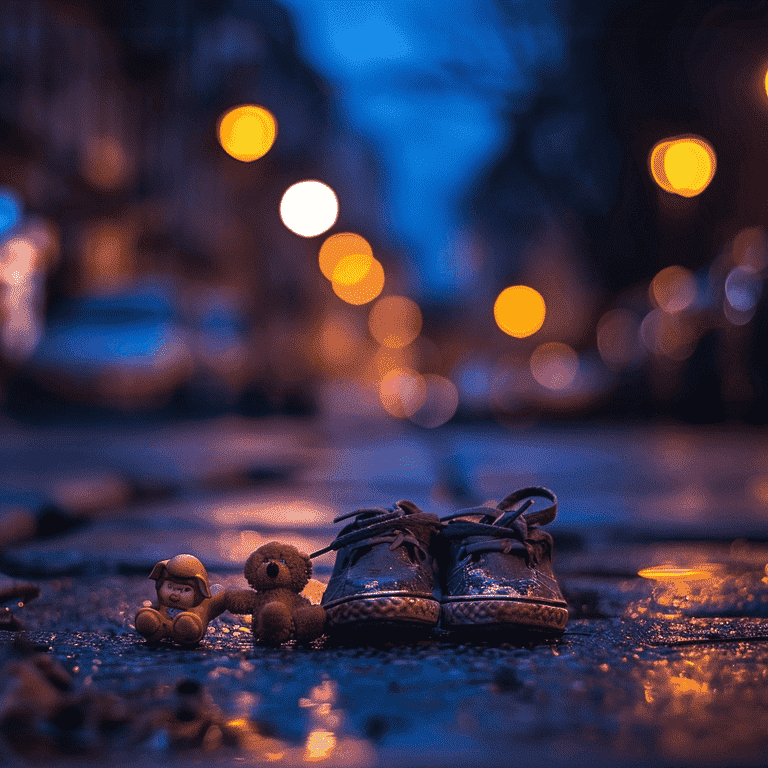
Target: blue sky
x=427 y=83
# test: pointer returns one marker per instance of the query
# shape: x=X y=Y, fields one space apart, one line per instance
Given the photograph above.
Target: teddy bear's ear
x=308 y=564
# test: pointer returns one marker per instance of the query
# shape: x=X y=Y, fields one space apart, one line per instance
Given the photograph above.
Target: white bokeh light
x=309 y=208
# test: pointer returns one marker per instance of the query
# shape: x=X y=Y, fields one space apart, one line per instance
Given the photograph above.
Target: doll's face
x=176 y=595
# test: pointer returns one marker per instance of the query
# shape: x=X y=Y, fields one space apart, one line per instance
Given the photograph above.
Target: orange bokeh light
x=336 y=247
x=352 y=269
x=402 y=392
x=358 y=279
x=554 y=365
x=750 y=248
x=395 y=321
x=247 y=132
x=440 y=403
x=673 y=289
x=519 y=311
x=385 y=360
x=683 y=165
x=618 y=338
x=105 y=163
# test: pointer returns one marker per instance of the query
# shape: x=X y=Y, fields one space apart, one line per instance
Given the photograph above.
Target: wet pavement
x=668 y=668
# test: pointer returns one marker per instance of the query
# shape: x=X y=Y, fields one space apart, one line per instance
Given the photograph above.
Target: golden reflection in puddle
x=685 y=697
x=670 y=573
x=676 y=588
x=325 y=742
x=319 y=745
x=251 y=741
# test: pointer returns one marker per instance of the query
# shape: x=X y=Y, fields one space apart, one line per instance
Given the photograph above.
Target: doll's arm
x=240 y=600
x=216 y=605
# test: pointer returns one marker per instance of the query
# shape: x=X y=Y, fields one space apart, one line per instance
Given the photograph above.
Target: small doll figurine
x=277 y=573
x=184 y=605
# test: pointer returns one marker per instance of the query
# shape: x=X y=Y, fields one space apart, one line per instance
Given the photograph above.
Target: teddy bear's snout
x=273 y=570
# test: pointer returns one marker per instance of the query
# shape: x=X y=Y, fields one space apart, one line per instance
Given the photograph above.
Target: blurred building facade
x=640 y=283
x=147 y=266
x=109 y=114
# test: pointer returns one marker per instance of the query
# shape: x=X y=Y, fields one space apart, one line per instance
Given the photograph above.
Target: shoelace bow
x=383 y=526
x=502 y=528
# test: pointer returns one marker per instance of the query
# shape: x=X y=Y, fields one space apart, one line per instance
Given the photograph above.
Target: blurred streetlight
x=309 y=208
x=247 y=132
x=337 y=246
x=519 y=311
x=618 y=339
x=105 y=163
x=358 y=279
x=10 y=209
x=673 y=289
x=395 y=321
x=554 y=365
x=440 y=403
x=683 y=165
x=402 y=392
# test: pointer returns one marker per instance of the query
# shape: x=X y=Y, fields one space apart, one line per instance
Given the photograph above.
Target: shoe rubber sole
x=497 y=614
x=392 y=610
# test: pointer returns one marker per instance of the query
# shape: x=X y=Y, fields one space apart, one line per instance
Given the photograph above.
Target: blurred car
x=127 y=351
x=222 y=348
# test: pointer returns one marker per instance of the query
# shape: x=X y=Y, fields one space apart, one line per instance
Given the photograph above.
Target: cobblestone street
x=662 y=670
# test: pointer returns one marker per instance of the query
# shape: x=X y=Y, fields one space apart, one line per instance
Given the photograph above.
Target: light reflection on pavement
x=665 y=670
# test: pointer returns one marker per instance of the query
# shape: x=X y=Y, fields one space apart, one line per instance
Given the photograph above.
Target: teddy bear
x=277 y=573
x=184 y=604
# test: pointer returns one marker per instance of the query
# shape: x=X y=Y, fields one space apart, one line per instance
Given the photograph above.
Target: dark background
x=165 y=283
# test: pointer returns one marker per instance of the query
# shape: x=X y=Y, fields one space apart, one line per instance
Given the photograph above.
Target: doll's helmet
x=185 y=567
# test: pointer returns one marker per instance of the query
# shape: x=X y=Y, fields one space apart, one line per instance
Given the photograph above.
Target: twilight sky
x=427 y=83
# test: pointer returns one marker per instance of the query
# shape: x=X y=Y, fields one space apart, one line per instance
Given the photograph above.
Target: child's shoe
x=497 y=569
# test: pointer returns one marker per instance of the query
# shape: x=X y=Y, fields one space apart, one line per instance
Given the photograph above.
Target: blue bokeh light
x=10 y=209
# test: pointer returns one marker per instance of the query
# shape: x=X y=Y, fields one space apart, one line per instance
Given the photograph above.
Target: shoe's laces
x=501 y=528
x=383 y=526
